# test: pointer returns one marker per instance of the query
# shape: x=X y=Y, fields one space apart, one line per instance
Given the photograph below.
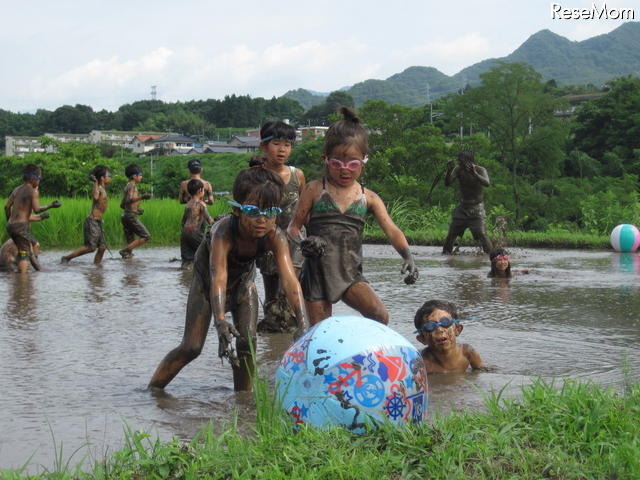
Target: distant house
x=174 y=144
x=144 y=143
x=575 y=100
x=244 y=144
x=313 y=132
x=18 y=146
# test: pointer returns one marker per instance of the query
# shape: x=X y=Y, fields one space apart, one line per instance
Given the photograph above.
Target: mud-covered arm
x=9 y=204
x=208 y=194
x=301 y=215
x=474 y=357
x=452 y=174
x=301 y=180
x=220 y=247
x=183 y=194
x=393 y=233
x=289 y=280
x=205 y=214
x=482 y=175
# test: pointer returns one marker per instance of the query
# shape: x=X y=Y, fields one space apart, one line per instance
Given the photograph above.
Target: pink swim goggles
x=499 y=258
x=351 y=165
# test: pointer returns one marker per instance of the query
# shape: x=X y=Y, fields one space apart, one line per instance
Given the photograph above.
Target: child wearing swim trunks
x=224 y=280
x=438 y=327
x=334 y=210
x=276 y=143
x=93 y=229
x=22 y=207
x=130 y=203
x=194 y=221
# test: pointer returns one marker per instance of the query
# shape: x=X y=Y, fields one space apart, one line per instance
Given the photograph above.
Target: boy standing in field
x=93 y=229
x=195 y=169
x=23 y=207
x=194 y=219
x=437 y=326
x=131 y=224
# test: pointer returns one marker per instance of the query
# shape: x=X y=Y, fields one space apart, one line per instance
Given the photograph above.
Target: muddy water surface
x=78 y=343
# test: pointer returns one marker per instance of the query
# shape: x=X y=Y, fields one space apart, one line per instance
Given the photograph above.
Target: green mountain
x=592 y=61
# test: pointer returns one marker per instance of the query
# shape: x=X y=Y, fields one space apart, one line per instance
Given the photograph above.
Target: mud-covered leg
x=196 y=326
x=245 y=318
x=318 y=311
x=363 y=298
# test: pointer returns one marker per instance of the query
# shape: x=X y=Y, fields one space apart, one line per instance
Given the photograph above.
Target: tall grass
x=571 y=431
x=64 y=228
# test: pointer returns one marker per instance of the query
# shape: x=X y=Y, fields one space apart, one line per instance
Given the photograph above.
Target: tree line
x=547 y=171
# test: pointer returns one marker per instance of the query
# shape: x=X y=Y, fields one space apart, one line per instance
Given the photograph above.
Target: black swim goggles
x=254 y=211
x=431 y=326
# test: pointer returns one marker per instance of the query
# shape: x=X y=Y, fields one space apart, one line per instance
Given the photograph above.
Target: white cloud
x=449 y=56
x=194 y=73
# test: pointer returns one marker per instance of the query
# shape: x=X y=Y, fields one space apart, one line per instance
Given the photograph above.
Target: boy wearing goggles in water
x=437 y=326
x=224 y=273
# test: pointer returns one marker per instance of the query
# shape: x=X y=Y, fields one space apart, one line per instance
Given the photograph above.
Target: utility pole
x=154 y=92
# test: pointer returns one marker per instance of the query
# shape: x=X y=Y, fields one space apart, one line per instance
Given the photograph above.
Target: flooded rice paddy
x=78 y=343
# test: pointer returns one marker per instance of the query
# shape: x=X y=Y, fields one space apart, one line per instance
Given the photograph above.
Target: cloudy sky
x=107 y=53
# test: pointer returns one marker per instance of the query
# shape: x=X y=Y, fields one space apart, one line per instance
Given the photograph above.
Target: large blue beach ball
x=349 y=371
x=625 y=238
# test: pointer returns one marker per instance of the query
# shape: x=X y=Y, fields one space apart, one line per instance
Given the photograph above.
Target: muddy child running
x=22 y=207
x=130 y=203
x=194 y=221
x=93 y=229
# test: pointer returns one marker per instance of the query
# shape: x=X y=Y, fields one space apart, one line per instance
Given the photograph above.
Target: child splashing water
x=334 y=211
x=276 y=143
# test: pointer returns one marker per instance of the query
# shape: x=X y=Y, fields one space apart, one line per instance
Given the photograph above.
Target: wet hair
x=31 y=170
x=465 y=156
x=194 y=165
x=131 y=170
x=348 y=131
x=194 y=185
x=277 y=131
x=99 y=171
x=260 y=184
x=257 y=161
x=494 y=271
x=431 y=305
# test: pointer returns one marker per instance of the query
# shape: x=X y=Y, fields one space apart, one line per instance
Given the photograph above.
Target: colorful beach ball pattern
x=351 y=371
x=625 y=238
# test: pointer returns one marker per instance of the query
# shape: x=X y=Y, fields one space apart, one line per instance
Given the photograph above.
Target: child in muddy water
x=501 y=265
x=276 y=143
x=22 y=207
x=194 y=220
x=334 y=211
x=224 y=280
x=438 y=326
x=130 y=203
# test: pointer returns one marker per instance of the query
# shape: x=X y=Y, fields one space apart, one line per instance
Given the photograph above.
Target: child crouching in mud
x=438 y=327
x=224 y=280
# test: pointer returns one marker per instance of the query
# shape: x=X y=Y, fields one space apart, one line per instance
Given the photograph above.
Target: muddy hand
x=409 y=267
x=226 y=332
x=56 y=204
x=313 y=246
x=44 y=216
x=146 y=196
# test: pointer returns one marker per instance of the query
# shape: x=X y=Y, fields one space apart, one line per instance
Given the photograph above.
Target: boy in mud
x=195 y=169
x=131 y=224
x=437 y=326
x=224 y=273
x=92 y=228
x=195 y=218
x=23 y=207
x=9 y=253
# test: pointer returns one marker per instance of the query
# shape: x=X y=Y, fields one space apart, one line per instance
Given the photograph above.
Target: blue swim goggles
x=431 y=326
x=253 y=211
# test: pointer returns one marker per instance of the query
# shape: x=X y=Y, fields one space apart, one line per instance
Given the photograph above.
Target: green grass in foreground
x=577 y=431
